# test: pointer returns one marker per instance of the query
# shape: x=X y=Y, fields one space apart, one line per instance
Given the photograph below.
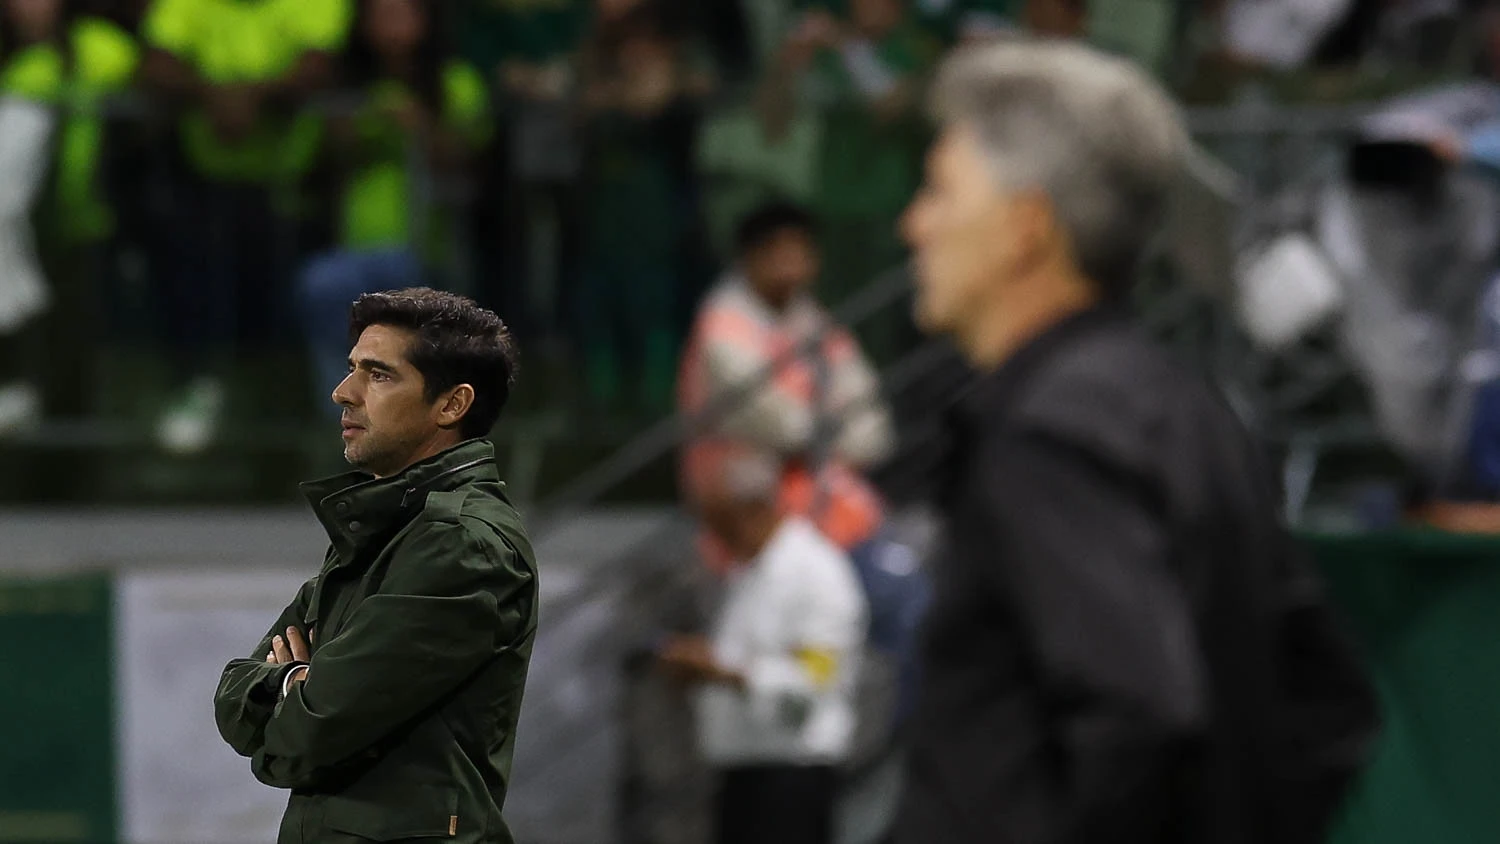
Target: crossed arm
x=435 y=621
x=249 y=688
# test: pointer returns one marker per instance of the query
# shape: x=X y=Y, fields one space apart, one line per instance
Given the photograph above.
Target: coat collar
x=356 y=509
x=991 y=395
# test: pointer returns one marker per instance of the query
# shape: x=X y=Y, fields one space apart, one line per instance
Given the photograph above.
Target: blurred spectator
x=1356 y=47
x=1057 y=18
x=776 y=375
x=24 y=293
x=776 y=715
x=724 y=29
x=640 y=101
x=759 y=317
x=766 y=25
x=126 y=14
x=1281 y=34
x=1481 y=373
x=525 y=46
x=978 y=20
x=864 y=72
x=242 y=71
x=1477 y=147
x=1145 y=31
x=422 y=116
x=1142 y=30
x=528 y=216
x=51 y=54
x=964 y=20
x=749 y=155
x=1403 y=34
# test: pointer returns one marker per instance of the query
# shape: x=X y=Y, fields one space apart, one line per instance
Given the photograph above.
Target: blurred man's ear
x=1032 y=227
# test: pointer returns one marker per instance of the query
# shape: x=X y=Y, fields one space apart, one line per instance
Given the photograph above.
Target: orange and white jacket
x=735 y=338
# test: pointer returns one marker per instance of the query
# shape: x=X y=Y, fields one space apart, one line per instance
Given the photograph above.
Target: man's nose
x=343 y=394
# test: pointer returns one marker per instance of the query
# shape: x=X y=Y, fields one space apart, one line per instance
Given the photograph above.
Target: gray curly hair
x=1098 y=135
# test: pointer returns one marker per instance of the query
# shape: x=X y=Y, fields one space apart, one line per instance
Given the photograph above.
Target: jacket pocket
x=422 y=812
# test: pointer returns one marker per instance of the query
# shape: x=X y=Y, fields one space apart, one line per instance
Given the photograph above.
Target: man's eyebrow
x=374 y=365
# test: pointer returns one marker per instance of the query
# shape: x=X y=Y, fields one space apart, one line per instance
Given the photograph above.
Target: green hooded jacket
x=423 y=616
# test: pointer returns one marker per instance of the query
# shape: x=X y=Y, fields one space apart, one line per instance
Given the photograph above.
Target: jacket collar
x=356 y=509
x=991 y=395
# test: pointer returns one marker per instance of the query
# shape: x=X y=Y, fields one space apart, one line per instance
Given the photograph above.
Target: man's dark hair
x=457 y=342
x=757 y=228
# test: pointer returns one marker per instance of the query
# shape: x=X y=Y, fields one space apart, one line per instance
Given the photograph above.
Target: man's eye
x=380 y=376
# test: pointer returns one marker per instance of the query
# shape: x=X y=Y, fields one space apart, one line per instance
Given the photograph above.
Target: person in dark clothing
x=386 y=696
x=1123 y=640
x=640 y=106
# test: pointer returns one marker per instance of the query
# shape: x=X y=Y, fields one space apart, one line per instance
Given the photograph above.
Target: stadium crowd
x=225 y=175
x=662 y=198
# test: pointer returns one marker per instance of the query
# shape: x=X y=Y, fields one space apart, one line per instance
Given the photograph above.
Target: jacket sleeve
x=248 y=688
x=449 y=603
x=1108 y=623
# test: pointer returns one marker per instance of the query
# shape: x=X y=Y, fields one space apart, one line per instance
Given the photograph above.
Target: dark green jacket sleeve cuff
x=247 y=698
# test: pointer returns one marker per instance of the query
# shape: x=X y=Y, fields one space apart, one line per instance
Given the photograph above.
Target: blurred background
x=192 y=192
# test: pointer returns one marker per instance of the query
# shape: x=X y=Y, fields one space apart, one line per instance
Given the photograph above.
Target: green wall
x=56 y=711
x=1427 y=607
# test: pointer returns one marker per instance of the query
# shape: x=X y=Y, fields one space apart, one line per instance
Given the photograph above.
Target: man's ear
x=455 y=407
x=1033 y=227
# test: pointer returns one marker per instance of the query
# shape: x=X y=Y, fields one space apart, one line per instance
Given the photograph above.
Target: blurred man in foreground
x=386 y=696
x=775 y=707
x=1124 y=645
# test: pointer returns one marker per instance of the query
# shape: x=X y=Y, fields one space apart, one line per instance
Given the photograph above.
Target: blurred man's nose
x=908 y=224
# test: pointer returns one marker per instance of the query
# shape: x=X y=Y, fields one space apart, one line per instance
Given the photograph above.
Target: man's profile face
x=386 y=419
x=783 y=266
x=963 y=248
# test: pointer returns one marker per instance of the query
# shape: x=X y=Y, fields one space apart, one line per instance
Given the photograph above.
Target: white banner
x=175 y=631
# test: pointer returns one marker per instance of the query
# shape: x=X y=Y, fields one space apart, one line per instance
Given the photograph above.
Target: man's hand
x=690 y=659
x=289 y=649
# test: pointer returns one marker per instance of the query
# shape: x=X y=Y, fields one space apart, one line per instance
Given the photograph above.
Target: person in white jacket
x=776 y=679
